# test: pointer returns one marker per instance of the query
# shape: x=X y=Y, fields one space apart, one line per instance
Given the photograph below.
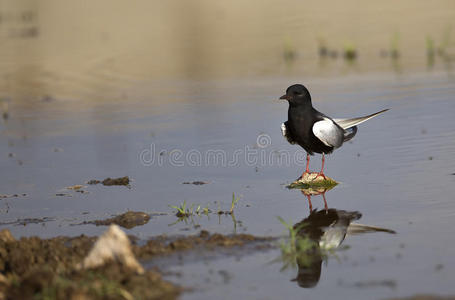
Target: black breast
x=300 y=126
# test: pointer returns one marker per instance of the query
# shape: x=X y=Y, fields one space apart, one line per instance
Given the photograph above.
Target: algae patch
x=313 y=180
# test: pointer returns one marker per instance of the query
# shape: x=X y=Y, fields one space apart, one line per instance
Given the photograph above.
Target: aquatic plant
x=394 y=48
x=430 y=51
x=233 y=203
x=313 y=180
x=182 y=210
x=289 y=52
x=296 y=249
x=349 y=52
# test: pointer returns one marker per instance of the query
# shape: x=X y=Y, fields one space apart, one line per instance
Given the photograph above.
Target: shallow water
x=190 y=97
x=397 y=172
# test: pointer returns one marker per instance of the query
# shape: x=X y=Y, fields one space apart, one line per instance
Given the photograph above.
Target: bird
x=314 y=131
x=325 y=230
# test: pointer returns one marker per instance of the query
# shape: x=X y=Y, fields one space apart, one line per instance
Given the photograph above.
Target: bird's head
x=297 y=94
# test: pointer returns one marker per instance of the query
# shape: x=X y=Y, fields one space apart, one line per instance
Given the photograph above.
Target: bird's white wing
x=348 y=123
x=332 y=238
x=328 y=132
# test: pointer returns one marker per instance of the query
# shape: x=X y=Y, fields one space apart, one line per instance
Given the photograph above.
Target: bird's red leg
x=307 y=170
x=322 y=168
x=325 y=202
x=307 y=163
x=309 y=202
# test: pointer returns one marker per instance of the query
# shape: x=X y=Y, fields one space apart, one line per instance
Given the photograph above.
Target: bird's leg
x=325 y=202
x=309 y=202
x=322 y=168
x=307 y=170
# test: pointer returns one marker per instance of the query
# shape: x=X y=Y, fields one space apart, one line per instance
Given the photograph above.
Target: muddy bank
x=163 y=245
x=48 y=268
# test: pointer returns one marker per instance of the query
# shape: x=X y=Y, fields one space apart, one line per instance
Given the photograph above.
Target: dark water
x=397 y=172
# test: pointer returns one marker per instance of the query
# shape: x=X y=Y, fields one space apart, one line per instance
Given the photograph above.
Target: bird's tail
x=349 y=123
x=356 y=228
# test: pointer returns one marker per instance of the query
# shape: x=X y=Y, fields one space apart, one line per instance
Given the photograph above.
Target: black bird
x=326 y=229
x=314 y=131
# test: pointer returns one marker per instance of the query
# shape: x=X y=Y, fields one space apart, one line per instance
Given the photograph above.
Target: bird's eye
x=297 y=93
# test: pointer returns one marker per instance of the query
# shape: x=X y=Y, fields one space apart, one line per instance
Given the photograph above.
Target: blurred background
x=107 y=50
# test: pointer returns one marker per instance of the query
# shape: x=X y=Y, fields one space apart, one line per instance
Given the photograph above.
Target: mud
x=127 y=220
x=26 y=221
x=162 y=245
x=47 y=268
x=195 y=182
x=12 y=196
x=111 y=181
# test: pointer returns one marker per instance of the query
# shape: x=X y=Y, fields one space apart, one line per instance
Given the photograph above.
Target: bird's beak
x=284 y=97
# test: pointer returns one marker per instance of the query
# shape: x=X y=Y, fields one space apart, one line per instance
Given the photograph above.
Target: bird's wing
x=285 y=132
x=328 y=132
x=332 y=238
x=348 y=123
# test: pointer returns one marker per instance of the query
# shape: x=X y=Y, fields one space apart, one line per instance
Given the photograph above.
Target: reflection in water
x=319 y=234
x=327 y=229
x=309 y=192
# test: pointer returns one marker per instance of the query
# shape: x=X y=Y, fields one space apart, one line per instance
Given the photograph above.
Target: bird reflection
x=324 y=230
x=309 y=192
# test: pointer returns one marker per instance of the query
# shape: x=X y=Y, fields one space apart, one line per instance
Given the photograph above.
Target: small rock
x=112 y=245
x=6 y=236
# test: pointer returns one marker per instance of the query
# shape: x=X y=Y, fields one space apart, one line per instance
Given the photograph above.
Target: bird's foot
x=320 y=174
x=303 y=175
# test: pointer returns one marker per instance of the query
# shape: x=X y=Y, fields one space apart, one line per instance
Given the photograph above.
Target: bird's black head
x=297 y=94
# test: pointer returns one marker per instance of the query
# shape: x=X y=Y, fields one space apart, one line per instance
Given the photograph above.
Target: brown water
x=100 y=91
